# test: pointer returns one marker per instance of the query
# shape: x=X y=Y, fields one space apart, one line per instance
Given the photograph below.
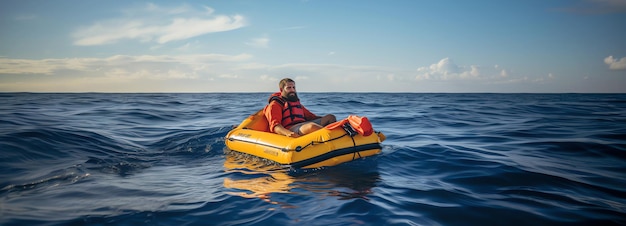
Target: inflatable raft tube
x=332 y=145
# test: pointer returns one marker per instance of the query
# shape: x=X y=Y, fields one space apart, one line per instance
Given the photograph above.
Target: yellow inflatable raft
x=324 y=147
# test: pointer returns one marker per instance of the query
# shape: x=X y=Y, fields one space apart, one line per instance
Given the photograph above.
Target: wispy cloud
x=117 y=64
x=238 y=73
x=446 y=69
x=615 y=64
x=262 y=42
x=153 y=23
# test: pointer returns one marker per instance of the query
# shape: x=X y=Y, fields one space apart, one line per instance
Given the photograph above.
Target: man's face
x=289 y=91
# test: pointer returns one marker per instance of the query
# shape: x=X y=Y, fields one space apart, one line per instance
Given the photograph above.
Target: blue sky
x=326 y=46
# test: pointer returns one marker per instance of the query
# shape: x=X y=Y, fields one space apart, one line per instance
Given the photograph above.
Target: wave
x=51 y=155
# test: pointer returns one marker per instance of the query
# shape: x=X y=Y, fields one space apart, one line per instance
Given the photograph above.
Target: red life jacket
x=292 y=110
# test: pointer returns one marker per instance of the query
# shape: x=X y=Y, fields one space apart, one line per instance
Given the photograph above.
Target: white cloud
x=391 y=77
x=615 y=64
x=125 y=73
x=504 y=73
x=228 y=76
x=266 y=77
x=184 y=28
x=262 y=42
x=160 y=66
x=155 y=24
x=236 y=73
x=446 y=69
x=45 y=66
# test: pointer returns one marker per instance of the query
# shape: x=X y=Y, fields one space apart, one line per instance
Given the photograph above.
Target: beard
x=292 y=97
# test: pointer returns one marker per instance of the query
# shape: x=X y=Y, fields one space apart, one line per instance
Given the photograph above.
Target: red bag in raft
x=361 y=125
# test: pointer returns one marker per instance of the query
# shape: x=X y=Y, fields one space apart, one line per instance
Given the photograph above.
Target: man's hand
x=279 y=129
x=293 y=135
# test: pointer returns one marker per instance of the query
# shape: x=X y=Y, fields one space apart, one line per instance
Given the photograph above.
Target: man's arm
x=274 y=115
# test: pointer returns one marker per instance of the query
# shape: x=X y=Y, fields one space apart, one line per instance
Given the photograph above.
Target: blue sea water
x=449 y=159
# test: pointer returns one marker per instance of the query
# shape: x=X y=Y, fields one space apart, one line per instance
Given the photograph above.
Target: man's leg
x=309 y=128
x=328 y=119
x=313 y=125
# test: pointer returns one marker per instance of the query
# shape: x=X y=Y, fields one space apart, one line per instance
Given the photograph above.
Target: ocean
x=449 y=159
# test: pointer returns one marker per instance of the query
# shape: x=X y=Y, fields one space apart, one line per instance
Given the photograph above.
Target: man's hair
x=284 y=82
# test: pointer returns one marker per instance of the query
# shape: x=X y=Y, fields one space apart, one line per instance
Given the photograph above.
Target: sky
x=528 y=46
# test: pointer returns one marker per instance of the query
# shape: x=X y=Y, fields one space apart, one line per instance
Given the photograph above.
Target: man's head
x=288 y=89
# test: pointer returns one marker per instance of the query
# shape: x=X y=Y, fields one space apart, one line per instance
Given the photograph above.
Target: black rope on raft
x=346 y=127
x=355 y=150
x=350 y=131
x=298 y=149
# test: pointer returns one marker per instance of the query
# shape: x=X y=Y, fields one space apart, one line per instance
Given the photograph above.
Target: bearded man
x=286 y=116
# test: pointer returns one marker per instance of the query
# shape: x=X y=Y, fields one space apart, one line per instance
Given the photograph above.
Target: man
x=288 y=117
